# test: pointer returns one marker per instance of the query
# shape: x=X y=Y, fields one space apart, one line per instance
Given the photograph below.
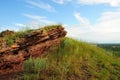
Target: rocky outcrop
x=7 y=32
x=34 y=44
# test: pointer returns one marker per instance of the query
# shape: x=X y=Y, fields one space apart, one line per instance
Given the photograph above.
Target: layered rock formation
x=34 y=44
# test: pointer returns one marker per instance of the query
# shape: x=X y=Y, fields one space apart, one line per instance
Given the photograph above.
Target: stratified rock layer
x=34 y=44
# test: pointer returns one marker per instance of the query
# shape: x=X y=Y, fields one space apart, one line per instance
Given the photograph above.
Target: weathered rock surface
x=7 y=32
x=34 y=44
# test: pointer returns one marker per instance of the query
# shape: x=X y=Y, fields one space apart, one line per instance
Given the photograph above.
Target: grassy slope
x=73 y=60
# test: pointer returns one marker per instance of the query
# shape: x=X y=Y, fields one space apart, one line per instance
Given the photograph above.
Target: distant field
x=114 y=48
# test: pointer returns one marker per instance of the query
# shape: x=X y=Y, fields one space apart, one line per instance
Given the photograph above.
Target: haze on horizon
x=96 y=21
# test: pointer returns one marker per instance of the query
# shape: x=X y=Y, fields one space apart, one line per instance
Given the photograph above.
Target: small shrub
x=34 y=65
x=9 y=39
x=32 y=68
x=30 y=76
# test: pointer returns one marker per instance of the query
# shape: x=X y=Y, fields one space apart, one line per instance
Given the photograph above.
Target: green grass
x=10 y=39
x=32 y=68
x=48 y=27
x=45 y=29
x=76 y=60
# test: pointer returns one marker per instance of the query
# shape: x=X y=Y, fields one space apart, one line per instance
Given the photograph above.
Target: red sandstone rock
x=34 y=44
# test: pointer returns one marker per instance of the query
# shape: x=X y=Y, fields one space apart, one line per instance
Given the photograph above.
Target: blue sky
x=89 y=20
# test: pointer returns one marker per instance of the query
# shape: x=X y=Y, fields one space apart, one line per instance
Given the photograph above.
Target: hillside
x=74 y=60
x=64 y=59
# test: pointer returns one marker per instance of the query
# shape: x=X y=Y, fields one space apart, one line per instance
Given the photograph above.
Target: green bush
x=34 y=65
x=30 y=76
x=32 y=68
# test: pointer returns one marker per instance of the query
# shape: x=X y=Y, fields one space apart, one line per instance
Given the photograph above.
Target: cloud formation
x=36 y=17
x=113 y=3
x=37 y=20
x=81 y=19
x=106 y=30
x=61 y=1
x=41 y=5
x=108 y=22
x=19 y=25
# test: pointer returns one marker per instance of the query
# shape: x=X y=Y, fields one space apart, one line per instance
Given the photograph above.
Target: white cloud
x=41 y=5
x=37 y=20
x=81 y=19
x=108 y=22
x=107 y=29
x=34 y=24
x=36 y=17
x=114 y=3
x=79 y=31
x=38 y=23
x=20 y=25
x=61 y=1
